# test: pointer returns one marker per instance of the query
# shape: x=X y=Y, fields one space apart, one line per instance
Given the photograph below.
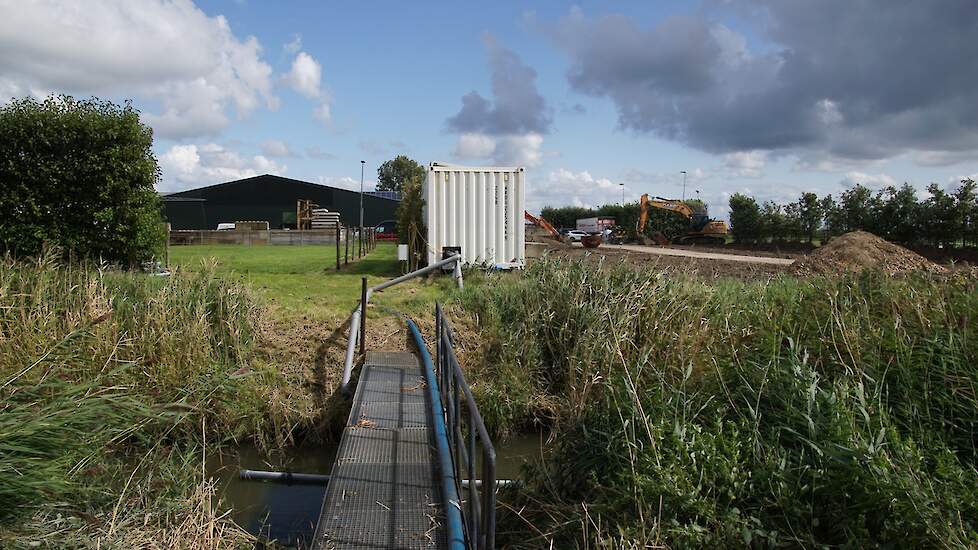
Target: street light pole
x=684 y=184
x=362 y=163
x=622 y=185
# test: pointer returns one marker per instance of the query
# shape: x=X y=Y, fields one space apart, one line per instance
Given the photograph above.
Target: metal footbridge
x=415 y=467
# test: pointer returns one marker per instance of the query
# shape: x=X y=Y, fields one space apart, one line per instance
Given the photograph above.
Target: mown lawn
x=303 y=279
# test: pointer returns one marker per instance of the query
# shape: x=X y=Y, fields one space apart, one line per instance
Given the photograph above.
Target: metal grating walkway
x=384 y=490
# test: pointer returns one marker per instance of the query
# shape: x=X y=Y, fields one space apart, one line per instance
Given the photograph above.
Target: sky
x=767 y=97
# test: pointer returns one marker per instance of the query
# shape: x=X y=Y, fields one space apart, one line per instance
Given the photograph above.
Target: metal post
x=362 y=163
x=363 y=316
x=346 y=255
x=337 y=245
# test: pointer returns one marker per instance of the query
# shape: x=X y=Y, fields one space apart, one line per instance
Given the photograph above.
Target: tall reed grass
x=691 y=413
x=105 y=381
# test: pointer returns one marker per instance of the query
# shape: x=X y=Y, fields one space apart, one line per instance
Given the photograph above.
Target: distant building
x=272 y=199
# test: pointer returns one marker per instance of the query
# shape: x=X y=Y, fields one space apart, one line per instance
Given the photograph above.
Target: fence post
x=337 y=245
x=363 y=316
x=346 y=254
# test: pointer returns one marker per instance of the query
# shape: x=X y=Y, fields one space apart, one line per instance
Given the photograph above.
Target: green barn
x=272 y=199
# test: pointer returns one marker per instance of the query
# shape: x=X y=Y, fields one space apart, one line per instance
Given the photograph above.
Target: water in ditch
x=288 y=514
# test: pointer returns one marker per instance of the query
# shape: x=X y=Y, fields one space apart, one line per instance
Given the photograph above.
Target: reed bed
x=719 y=413
x=112 y=384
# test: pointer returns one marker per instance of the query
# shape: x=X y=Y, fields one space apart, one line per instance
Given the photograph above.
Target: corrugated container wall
x=479 y=209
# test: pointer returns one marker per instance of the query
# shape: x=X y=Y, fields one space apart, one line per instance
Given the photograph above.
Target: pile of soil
x=859 y=250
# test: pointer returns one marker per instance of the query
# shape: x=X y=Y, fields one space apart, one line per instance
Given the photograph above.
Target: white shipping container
x=479 y=209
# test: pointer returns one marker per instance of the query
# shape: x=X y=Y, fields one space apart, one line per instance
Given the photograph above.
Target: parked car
x=386 y=230
x=575 y=235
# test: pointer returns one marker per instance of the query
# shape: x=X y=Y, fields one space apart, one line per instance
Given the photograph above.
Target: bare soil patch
x=698 y=267
x=860 y=250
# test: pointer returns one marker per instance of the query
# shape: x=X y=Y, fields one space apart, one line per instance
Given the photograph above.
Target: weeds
x=690 y=413
x=105 y=380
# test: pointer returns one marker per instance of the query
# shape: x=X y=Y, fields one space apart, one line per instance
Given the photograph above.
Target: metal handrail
x=357 y=313
x=467 y=434
x=454 y=528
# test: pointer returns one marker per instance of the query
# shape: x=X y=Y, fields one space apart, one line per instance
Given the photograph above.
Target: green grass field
x=304 y=278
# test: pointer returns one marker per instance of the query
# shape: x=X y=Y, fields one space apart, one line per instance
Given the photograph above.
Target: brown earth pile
x=860 y=250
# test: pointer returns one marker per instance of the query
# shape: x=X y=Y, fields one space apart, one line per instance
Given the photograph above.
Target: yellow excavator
x=701 y=227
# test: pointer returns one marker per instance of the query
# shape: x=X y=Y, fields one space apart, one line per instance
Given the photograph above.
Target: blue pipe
x=453 y=505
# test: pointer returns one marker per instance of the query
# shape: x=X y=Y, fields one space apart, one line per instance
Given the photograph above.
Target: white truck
x=595 y=225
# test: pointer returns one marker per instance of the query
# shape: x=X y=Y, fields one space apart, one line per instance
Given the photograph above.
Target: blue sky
x=771 y=98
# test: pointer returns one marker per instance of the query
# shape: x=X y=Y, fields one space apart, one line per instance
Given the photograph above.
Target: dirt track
x=696 y=254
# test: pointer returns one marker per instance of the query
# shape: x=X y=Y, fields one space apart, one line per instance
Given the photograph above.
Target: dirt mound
x=860 y=250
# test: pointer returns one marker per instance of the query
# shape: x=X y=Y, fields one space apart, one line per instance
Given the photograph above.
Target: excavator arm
x=542 y=223
x=671 y=205
x=701 y=226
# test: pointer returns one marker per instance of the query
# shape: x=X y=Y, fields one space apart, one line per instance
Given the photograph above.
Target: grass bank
x=113 y=386
x=690 y=413
x=303 y=279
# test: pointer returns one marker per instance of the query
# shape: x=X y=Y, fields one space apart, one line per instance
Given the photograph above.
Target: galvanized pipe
x=355 y=320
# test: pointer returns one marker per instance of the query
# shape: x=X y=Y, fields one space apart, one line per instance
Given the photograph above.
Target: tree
x=966 y=208
x=79 y=175
x=792 y=221
x=938 y=217
x=566 y=216
x=810 y=215
x=857 y=208
x=898 y=214
x=835 y=220
x=773 y=221
x=410 y=225
x=393 y=174
x=745 y=218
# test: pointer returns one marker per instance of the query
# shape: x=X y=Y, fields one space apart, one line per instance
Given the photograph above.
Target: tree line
x=626 y=215
x=943 y=218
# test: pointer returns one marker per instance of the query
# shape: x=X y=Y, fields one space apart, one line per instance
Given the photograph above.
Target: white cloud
x=323 y=113
x=474 y=146
x=746 y=164
x=346 y=182
x=873 y=181
x=190 y=165
x=293 y=46
x=305 y=76
x=564 y=187
x=276 y=148
x=167 y=51
x=506 y=150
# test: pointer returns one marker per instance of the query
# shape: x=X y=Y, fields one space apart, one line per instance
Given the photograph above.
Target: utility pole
x=684 y=184
x=362 y=163
x=622 y=185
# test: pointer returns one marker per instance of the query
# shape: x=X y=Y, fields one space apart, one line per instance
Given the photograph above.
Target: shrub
x=78 y=174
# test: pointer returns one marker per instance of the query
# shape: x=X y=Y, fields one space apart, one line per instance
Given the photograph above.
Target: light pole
x=362 y=163
x=684 y=184
x=622 y=185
